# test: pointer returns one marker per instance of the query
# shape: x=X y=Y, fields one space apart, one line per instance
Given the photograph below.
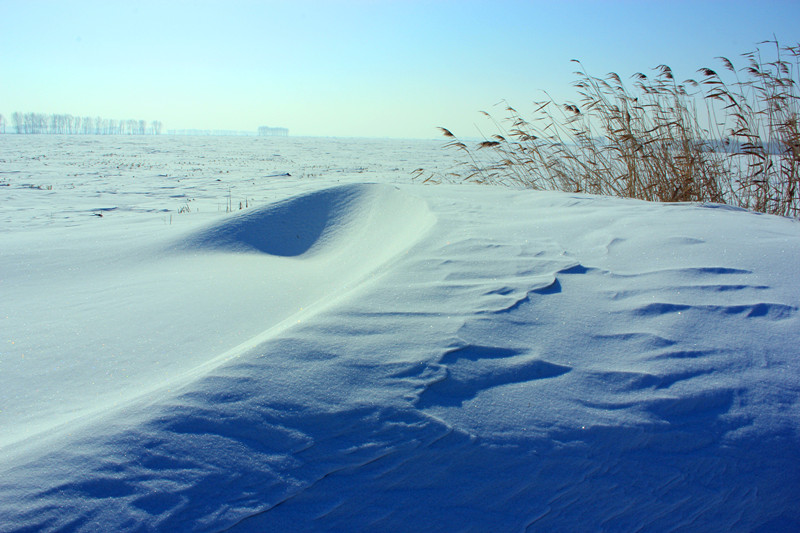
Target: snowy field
x=264 y=334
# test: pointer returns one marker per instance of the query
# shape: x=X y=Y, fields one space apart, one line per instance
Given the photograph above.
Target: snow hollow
x=283 y=334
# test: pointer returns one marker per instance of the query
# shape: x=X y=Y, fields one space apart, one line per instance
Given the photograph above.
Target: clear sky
x=357 y=68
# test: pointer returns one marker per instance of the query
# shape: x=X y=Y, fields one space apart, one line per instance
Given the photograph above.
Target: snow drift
x=400 y=357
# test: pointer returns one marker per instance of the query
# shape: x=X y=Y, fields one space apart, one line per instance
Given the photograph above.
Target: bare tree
x=16 y=117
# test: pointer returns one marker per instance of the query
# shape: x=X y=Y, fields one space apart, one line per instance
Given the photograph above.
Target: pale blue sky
x=364 y=68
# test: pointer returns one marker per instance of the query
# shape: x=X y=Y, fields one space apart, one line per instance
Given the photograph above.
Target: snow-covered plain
x=261 y=334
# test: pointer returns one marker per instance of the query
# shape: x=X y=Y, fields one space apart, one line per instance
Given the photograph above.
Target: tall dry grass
x=728 y=138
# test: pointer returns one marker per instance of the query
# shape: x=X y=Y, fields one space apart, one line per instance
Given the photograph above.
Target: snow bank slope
x=104 y=334
x=379 y=218
x=476 y=359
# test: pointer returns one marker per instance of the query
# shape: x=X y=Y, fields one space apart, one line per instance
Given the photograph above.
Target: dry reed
x=735 y=142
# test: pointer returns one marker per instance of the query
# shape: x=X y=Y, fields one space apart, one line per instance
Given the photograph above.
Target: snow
x=354 y=351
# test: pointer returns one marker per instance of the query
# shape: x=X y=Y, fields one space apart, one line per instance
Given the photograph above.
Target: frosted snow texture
x=352 y=351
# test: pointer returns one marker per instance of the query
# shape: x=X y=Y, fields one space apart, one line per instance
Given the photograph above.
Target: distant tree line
x=69 y=125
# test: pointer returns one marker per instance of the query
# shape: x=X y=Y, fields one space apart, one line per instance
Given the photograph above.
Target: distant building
x=273 y=132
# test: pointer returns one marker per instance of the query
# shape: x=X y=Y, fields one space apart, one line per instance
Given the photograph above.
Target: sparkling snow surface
x=264 y=334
